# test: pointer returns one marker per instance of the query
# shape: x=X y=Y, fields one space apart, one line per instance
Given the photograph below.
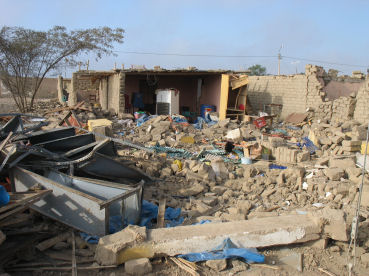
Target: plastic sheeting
x=149 y=212
x=226 y=250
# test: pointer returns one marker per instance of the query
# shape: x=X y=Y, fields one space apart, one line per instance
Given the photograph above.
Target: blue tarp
x=149 y=211
x=226 y=250
x=4 y=196
x=200 y=121
x=273 y=166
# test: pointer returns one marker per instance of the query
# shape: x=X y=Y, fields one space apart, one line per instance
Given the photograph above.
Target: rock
x=195 y=189
x=219 y=168
x=174 y=168
x=109 y=246
x=166 y=172
x=140 y=266
x=334 y=173
x=351 y=143
x=342 y=163
x=238 y=266
x=320 y=244
x=234 y=134
x=353 y=172
x=336 y=139
x=210 y=200
x=217 y=265
x=294 y=260
x=335 y=248
x=365 y=196
x=223 y=123
x=219 y=190
x=365 y=259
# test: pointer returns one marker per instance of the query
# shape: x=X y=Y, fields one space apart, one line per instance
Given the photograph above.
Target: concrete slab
x=259 y=232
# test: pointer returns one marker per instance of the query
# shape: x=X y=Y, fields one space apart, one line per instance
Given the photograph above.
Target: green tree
x=27 y=56
x=257 y=70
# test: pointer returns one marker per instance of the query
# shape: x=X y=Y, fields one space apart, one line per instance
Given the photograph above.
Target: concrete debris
x=217 y=265
x=140 y=266
x=293 y=181
x=136 y=242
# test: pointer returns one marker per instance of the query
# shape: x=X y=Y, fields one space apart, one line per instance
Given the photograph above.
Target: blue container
x=4 y=196
x=206 y=108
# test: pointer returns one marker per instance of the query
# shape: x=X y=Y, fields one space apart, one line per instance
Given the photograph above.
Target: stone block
x=217 y=265
x=334 y=173
x=140 y=266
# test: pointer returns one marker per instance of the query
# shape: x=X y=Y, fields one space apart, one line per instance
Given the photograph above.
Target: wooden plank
x=51 y=242
x=161 y=213
x=241 y=81
x=2 y=145
x=224 y=89
x=29 y=196
x=74 y=263
x=22 y=207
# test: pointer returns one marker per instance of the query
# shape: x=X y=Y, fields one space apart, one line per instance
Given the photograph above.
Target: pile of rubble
x=262 y=186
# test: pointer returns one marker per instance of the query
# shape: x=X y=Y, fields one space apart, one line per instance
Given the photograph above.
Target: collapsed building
x=275 y=164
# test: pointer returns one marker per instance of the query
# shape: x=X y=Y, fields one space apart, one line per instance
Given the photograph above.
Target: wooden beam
x=224 y=89
x=161 y=213
x=241 y=81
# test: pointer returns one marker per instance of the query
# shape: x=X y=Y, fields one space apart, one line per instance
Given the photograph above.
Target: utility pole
x=279 y=59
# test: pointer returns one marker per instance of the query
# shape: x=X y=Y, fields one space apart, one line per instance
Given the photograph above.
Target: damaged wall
x=290 y=91
x=298 y=92
x=361 y=113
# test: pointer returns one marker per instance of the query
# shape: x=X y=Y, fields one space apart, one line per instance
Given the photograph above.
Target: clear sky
x=327 y=30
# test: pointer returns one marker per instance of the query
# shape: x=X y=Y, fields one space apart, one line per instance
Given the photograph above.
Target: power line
x=326 y=62
x=240 y=56
x=191 y=55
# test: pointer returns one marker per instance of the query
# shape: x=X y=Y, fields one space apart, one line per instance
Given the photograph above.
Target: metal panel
x=48 y=135
x=108 y=168
x=80 y=203
x=68 y=143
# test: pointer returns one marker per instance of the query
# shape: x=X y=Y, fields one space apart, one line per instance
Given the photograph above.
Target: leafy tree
x=257 y=70
x=27 y=56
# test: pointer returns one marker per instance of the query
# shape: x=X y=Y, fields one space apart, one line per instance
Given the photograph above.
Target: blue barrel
x=206 y=108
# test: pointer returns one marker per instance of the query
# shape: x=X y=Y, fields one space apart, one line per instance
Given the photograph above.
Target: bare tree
x=27 y=56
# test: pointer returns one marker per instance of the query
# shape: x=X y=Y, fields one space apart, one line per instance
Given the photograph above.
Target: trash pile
x=183 y=189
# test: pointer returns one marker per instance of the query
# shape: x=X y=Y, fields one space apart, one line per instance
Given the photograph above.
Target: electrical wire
x=192 y=55
x=241 y=56
x=325 y=62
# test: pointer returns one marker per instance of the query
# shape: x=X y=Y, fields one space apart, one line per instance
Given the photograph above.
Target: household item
x=167 y=101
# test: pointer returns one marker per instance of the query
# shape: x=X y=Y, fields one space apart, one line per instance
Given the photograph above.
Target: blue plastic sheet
x=4 y=196
x=273 y=166
x=178 y=119
x=226 y=250
x=199 y=122
x=149 y=212
x=309 y=145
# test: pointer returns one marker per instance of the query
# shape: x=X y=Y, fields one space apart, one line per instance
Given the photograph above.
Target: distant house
x=47 y=89
x=114 y=90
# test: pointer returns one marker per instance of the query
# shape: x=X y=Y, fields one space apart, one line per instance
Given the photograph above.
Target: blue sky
x=334 y=31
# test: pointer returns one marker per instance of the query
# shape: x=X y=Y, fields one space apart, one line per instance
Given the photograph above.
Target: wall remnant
x=299 y=92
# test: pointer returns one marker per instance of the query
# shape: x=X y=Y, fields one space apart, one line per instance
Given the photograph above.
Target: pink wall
x=336 y=89
x=211 y=91
x=187 y=85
